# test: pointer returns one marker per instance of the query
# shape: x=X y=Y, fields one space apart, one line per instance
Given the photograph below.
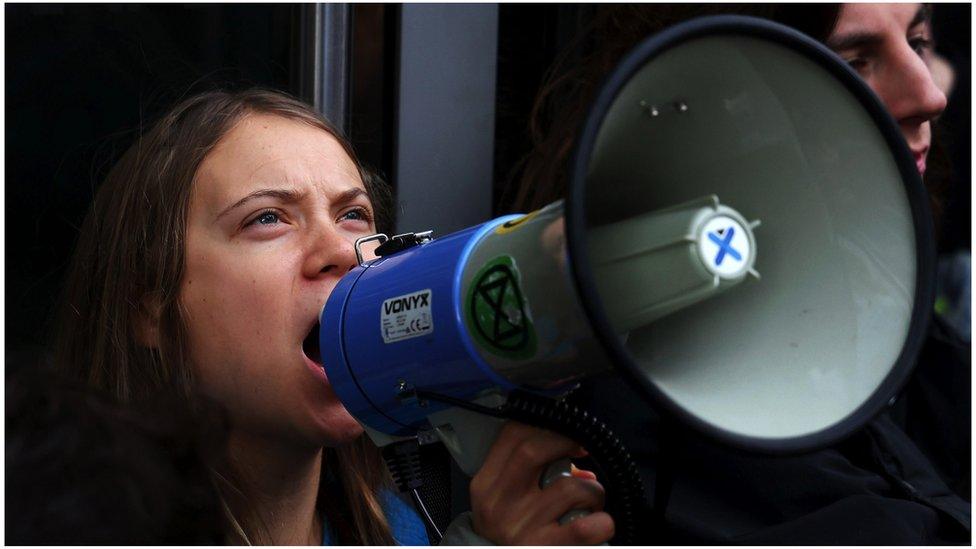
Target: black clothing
x=934 y=409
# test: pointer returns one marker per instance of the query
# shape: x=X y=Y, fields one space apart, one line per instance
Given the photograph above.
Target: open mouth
x=311 y=345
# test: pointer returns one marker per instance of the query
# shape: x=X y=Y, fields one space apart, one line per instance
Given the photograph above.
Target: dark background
x=81 y=81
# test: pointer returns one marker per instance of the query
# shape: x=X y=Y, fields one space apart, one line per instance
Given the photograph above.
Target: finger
x=568 y=494
x=501 y=450
x=592 y=529
x=536 y=452
x=589 y=530
x=489 y=488
x=559 y=498
x=521 y=453
x=582 y=473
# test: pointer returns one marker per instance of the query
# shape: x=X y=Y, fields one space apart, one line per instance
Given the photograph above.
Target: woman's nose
x=910 y=91
x=328 y=251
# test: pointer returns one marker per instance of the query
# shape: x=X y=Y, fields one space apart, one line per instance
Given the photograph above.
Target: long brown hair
x=128 y=265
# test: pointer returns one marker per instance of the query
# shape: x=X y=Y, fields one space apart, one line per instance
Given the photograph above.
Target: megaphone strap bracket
x=381 y=237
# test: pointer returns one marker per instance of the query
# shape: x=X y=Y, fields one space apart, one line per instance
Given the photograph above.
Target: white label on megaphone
x=724 y=247
x=406 y=316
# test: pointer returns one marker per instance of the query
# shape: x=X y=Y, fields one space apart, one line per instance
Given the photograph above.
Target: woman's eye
x=356 y=214
x=920 y=45
x=265 y=218
x=857 y=63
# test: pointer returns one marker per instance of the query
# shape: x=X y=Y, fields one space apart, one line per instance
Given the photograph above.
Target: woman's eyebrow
x=857 y=39
x=350 y=195
x=284 y=195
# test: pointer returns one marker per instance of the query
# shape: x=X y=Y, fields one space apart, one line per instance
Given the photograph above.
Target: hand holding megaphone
x=513 y=505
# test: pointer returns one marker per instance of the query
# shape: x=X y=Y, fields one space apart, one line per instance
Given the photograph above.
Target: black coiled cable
x=625 y=488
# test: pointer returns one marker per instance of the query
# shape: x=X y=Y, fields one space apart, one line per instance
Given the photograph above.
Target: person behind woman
x=892 y=48
x=200 y=270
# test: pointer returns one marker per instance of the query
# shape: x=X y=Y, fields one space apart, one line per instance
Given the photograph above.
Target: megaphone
x=745 y=238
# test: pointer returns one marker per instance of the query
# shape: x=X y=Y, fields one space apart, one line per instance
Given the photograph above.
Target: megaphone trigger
x=556 y=470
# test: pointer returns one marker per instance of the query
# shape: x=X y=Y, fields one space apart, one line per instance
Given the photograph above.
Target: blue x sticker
x=724 y=246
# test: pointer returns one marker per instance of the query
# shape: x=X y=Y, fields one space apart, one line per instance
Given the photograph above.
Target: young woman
x=201 y=268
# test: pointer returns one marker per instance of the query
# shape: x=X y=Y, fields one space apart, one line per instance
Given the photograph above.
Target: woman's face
x=274 y=211
x=889 y=46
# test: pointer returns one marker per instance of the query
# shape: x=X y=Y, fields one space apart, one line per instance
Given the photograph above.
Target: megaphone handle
x=561 y=468
x=469 y=435
x=623 y=478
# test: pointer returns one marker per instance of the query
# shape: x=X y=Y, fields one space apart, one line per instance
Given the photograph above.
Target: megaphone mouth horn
x=657 y=113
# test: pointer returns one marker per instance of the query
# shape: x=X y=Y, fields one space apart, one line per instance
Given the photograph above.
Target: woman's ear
x=147 y=322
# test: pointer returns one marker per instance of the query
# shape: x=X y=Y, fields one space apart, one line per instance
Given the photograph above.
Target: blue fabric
x=405 y=524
